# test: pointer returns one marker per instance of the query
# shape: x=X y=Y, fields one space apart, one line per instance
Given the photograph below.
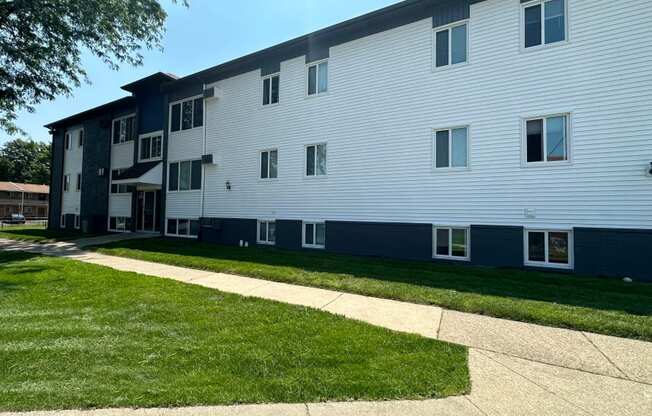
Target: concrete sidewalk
x=516 y=368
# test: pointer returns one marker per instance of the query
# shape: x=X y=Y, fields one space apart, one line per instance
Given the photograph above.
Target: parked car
x=16 y=219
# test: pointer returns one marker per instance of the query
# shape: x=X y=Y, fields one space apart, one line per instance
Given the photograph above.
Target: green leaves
x=41 y=43
x=25 y=161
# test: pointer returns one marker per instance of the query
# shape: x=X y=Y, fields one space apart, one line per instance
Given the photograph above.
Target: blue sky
x=206 y=34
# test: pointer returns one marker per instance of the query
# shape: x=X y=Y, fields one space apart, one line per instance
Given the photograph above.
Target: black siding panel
x=188 y=91
x=269 y=68
x=288 y=234
x=398 y=240
x=56 y=180
x=614 y=252
x=449 y=12
x=500 y=246
x=95 y=195
x=228 y=230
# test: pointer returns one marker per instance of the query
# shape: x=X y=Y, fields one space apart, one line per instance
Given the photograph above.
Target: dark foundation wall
x=95 y=186
x=56 y=180
x=288 y=234
x=617 y=252
x=228 y=231
x=498 y=246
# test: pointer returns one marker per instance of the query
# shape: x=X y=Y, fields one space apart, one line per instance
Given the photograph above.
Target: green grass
x=37 y=233
x=606 y=306
x=76 y=335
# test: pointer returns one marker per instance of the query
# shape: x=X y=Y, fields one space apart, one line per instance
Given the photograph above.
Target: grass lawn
x=606 y=306
x=76 y=335
x=36 y=233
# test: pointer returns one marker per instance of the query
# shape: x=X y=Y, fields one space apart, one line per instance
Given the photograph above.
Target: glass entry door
x=148 y=205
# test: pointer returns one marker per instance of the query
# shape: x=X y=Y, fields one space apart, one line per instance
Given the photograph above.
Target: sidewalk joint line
x=538 y=385
x=605 y=355
x=441 y=319
x=307 y=409
x=336 y=298
x=475 y=405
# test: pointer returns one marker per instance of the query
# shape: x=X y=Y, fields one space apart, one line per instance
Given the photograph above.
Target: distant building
x=22 y=198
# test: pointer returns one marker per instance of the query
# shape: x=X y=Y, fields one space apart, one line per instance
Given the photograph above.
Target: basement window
x=266 y=232
x=549 y=248
x=314 y=235
x=182 y=227
x=450 y=242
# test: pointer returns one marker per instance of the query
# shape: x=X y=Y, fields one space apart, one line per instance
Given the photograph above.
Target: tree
x=41 y=43
x=25 y=161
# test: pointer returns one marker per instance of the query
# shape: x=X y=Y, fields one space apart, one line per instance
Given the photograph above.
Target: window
x=120 y=224
x=66 y=141
x=451 y=148
x=269 y=164
x=79 y=179
x=314 y=234
x=118 y=188
x=184 y=176
x=451 y=45
x=124 y=129
x=266 y=232
x=66 y=183
x=271 y=89
x=182 y=227
x=81 y=138
x=77 y=222
x=150 y=147
x=62 y=221
x=450 y=243
x=318 y=78
x=187 y=114
x=316 y=160
x=544 y=22
x=546 y=139
x=548 y=248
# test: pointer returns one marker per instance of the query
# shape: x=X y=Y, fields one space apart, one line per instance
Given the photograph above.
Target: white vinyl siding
x=380 y=128
x=72 y=166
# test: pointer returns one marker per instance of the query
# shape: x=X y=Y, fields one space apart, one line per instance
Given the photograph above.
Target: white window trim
x=303 y=235
x=192 y=99
x=262 y=89
x=543 y=163
x=78 y=185
x=328 y=84
x=66 y=183
x=543 y=45
x=450 y=167
x=113 y=127
x=260 y=164
x=81 y=135
x=546 y=263
x=449 y=27
x=467 y=230
x=264 y=242
x=168 y=234
x=77 y=222
x=62 y=221
x=151 y=136
x=179 y=178
x=305 y=161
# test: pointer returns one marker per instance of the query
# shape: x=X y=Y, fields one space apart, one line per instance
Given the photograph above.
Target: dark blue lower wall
x=228 y=230
x=56 y=180
x=398 y=240
x=614 y=252
x=288 y=234
x=498 y=246
x=95 y=187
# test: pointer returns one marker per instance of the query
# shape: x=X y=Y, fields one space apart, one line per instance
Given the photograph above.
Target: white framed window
x=451 y=242
x=120 y=224
x=313 y=234
x=317 y=74
x=451 y=45
x=543 y=22
x=66 y=183
x=118 y=188
x=77 y=222
x=316 y=160
x=80 y=139
x=79 y=180
x=549 y=248
x=271 y=89
x=187 y=114
x=66 y=141
x=182 y=227
x=451 y=148
x=546 y=139
x=62 y=221
x=123 y=129
x=269 y=164
x=266 y=232
x=185 y=175
x=150 y=147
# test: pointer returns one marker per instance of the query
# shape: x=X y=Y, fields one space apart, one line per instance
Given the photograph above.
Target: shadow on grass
x=566 y=289
x=37 y=234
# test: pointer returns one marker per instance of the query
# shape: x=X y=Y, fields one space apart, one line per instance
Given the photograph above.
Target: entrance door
x=147 y=211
